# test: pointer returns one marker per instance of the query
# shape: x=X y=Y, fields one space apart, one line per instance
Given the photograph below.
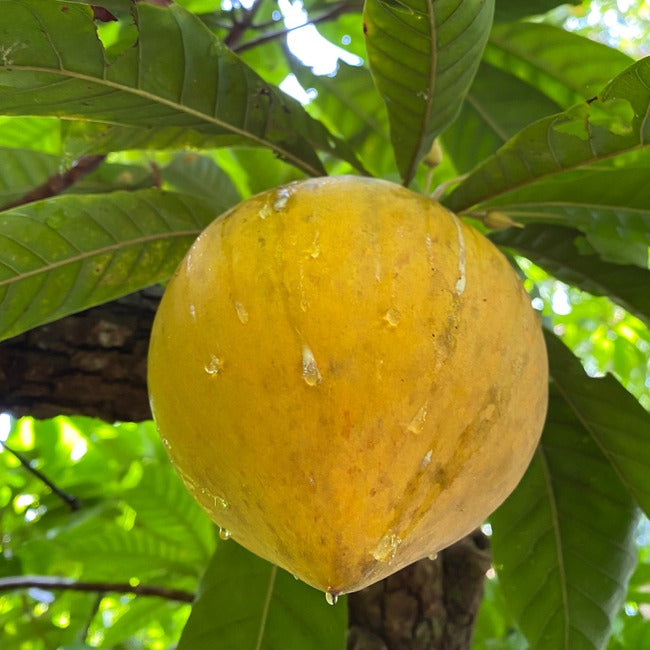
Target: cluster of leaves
x=123 y=518
x=538 y=124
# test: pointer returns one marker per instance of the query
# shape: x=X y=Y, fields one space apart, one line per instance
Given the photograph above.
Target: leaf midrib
x=464 y=207
x=51 y=266
x=591 y=429
x=204 y=117
x=266 y=607
x=548 y=483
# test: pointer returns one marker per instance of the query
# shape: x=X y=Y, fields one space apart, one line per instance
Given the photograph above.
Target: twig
x=71 y=501
x=240 y=26
x=56 y=183
x=334 y=12
x=83 y=635
x=58 y=583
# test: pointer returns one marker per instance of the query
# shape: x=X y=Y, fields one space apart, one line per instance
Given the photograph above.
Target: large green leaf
x=614 y=419
x=545 y=57
x=165 y=508
x=609 y=205
x=613 y=123
x=245 y=602
x=488 y=118
x=348 y=104
x=423 y=56
x=514 y=9
x=555 y=249
x=72 y=252
x=177 y=76
x=117 y=554
x=42 y=134
x=200 y=176
x=563 y=542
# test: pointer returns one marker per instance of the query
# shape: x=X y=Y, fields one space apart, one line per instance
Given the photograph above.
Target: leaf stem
x=59 y=583
x=57 y=183
x=70 y=500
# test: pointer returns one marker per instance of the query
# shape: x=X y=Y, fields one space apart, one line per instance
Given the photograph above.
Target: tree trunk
x=94 y=363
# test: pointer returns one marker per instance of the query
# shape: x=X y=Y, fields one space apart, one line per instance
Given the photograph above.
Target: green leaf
x=139 y=612
x=515 y=9
x=245 y=602
x=39 y=133
x=423 y=56
x=165 y=508
x=178 y=75
x=563 y=542
x=609 y=205
x=348 y=104
x=72 y=252
x=614 y=419
x=555 y=249
x=544 y=56
x=200 y=176
x=120 y=555
x=546 y=148
x=488 y=118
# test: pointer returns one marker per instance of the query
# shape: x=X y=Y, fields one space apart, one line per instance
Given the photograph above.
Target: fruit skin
x=347 y=377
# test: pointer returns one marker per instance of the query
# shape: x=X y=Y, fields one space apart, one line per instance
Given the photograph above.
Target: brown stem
x=57 y=183
x=57 y=583
x=334 y=12
x=71 y=501
x=240 y=26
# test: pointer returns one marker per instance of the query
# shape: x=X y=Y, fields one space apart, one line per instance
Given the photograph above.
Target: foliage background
x=138 y=525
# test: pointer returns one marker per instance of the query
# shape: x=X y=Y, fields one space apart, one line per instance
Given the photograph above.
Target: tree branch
x=240 y=26
x=71 y=501
x=57 y=183
x=334 y=12
x=57 y=583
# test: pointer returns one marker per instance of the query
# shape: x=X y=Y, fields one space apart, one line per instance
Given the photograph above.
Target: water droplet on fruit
x=193 y=312
x=314 y=250
x=387 y=547
x=393 y=317
x=224 y=534
x=417 y=423
x=433 y=557
x=281 y=199
x=310 y=372
x=427 y=459
x=242 y=313
x=331 y=597
x=166 y=443
x=214 y=366
x=462 y=280
x=264 y=212
x=295 y=577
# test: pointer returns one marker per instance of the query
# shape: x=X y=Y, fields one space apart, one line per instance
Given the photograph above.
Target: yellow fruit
x=347 y=377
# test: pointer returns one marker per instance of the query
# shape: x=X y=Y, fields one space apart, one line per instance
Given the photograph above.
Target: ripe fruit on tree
x=347 y=377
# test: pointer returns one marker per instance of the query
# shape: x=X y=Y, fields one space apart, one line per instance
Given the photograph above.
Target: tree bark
x=430 y=605
x=94 y=363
